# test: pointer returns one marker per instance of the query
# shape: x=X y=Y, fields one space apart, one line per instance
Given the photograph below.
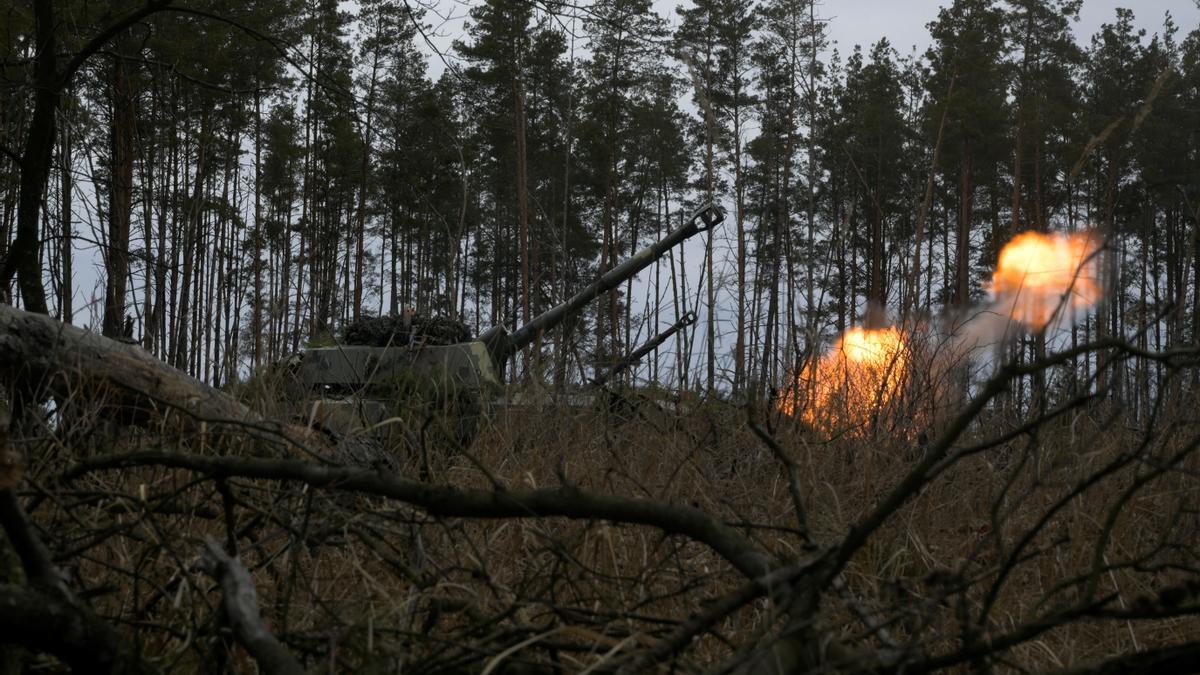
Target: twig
x=570 y=502
x=241 y=606
x=793 y=474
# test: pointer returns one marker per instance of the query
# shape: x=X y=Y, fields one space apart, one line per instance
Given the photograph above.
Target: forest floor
x=373 y=584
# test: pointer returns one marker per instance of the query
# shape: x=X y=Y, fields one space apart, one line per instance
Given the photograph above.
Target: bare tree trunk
x=739 y=191
x=787 y=341
x=359 y=281
x=161 y=333
x=148 y=153
x=1016 y=177
x=1194 y=247
x=307 y=206
x=24 y=256
x=923 y=214
x=66 y=295
x=8 y=204
x=191 y=229
x=876 y=296
x=522 y=208
x=394 y=306
x=962 y=256
x=256 y=247
x=120 y=200
x=710 y=252
x=810 y=325
x=606 y=319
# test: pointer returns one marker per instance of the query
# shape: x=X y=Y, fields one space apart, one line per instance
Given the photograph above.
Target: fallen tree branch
x=719 y=608
x=441 y=500
x=47 y=355
x=45 y=615
x=240 y=600
x=35 y=348
x=35 y=558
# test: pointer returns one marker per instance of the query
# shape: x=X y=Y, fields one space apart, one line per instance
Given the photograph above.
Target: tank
x=348 y=388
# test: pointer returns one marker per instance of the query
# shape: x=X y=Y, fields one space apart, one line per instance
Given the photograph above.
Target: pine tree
x=713 y=39
x=1045 y=106
x=736 y=21
x=875 y=146
x=785 y=55
x=623 y=68
x=968 y=48
x=697 y=47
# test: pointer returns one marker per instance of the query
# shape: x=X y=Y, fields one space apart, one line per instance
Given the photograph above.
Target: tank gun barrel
x=652 y=344
x=704 y=218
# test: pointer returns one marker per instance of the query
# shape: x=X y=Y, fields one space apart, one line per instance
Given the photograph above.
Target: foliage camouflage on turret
x=382 y=331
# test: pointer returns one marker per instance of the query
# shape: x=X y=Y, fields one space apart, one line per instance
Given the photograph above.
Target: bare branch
x=440 y=500
x=35 y=557
x=793 y=475
x=717 y=610
x=933 y=465
x=101 y=39
x=240 y=601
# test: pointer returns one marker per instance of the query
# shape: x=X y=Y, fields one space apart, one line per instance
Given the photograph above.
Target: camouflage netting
x=383 y=330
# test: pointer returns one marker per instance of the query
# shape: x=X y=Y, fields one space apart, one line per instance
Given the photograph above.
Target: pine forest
x=619 y=336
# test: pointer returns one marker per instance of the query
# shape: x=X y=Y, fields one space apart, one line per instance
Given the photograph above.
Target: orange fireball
x=844 y=390
x=1038 y=275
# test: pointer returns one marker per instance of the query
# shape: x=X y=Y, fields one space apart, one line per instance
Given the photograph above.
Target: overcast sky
x=902 y=22
x=863 y=22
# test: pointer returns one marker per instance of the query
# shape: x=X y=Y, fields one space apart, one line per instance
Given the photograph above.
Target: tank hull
x=352 y=389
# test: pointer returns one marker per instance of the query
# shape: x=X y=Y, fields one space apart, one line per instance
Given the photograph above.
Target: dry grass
x=367 y=584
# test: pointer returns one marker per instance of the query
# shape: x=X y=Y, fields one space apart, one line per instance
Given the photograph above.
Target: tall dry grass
x=362 y=584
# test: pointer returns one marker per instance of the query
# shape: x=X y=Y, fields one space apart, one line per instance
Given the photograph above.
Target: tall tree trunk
x=66 y=295
x=811 y=309
x=148 y=153
x=8 y=203
x=257 y=247
x=923 y=213
x=876 y=297
x=360 y=233
x=710 y=252
x=788 y=340
x=1194 y=249
x=120 y=200
x=24 y=256
x=394 y=302
x=1016 y=177
x=1019 y=136
x=739 y=191
x=606 y=319
x=191 y=231
x=962 y=255
x=522 y=206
